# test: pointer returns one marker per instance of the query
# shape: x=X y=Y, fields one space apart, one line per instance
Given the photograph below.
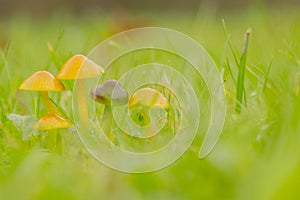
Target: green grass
x=257 y=156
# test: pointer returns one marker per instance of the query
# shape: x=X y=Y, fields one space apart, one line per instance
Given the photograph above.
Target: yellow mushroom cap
x=52 y=121
x=148 y=97
x=79 y=67
x=42 y=81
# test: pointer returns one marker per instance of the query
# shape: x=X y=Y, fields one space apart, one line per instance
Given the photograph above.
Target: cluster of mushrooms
x=78 y=68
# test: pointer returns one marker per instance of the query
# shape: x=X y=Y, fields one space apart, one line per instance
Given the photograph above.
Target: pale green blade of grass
x=57 y=62
x=3 y=64
x=267 y=76
x=4 y=54
x=229 y=43
x=235 y=59
x=241 y=74
x=230 y=71
x=54 y=57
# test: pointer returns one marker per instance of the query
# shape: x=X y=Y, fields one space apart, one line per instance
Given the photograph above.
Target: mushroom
x=43 y=81
x=79 y=68
x=146 y=98
x=50 y=123
x=105 y=93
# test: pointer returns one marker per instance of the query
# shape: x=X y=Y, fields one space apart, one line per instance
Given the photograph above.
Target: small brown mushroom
x=105 y=93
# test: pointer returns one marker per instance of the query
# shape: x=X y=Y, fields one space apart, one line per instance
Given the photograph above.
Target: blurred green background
x=257 y=156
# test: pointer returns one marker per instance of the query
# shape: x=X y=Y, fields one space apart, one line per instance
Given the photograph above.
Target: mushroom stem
x=82 y=107
x=48 y=103
x=145 y=115
x=107 y=120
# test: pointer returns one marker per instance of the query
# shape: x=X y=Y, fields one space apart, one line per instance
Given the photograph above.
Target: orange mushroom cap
x=52 y=121
x=148 y=97
x=42 y=81
x=79 y=67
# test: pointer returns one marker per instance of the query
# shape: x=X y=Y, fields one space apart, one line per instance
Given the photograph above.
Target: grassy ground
x=257 y=156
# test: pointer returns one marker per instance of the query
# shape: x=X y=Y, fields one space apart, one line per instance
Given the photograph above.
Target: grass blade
x=61 y=110
x=230 y=71
x=229 y=43
x=54 y=56
x=241 y=74
x=267 y=76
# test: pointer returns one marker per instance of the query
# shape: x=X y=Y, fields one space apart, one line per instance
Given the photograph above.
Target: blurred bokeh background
x=78 y=7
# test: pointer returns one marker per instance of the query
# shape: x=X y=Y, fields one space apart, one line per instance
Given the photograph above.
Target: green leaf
x=24 y=124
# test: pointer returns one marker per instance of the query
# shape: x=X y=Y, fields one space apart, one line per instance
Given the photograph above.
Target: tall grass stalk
x=241 y=74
